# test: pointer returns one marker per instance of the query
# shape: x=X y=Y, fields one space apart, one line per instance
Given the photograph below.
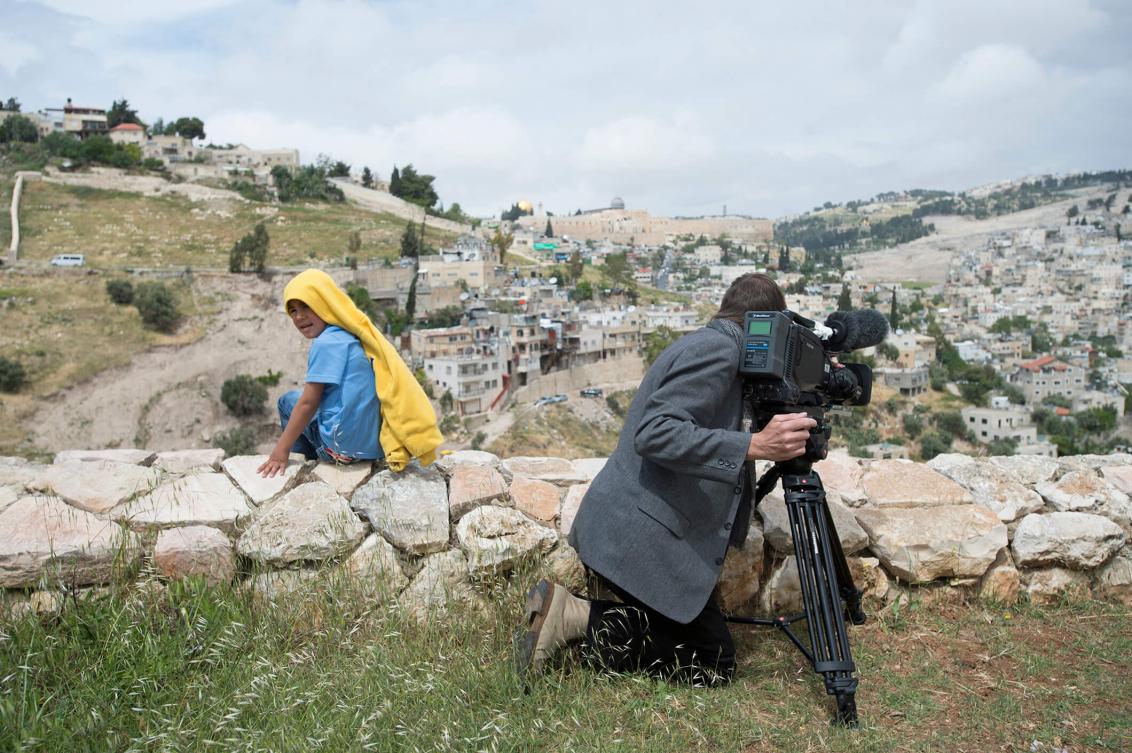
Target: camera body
x=785 y=361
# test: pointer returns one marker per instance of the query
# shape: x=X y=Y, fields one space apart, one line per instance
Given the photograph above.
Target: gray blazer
x=657 y=519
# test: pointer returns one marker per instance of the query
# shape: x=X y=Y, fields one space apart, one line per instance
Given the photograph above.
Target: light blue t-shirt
x=349 y=416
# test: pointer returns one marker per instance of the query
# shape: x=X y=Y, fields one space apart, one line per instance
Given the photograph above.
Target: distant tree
x=1072 y=212
x=411 y=300
x=367 y=178
x=447 y=316
x=360 y=296
x=657 y=341
x=11 y=105
x=617 y=267
x=243 y=396
x=257 y=250
x=238 y=254
x=157 y=306
x=121 y=292
x=583 y=291
x=888 y=351
x=17 y=128
x=188 y=128
x=410 y=245
x=894 y=312
x=415 y=188
x=549 y=231
x=844 y=300
x=353 y=246
x=934 y=443
x=120 y=112
x=913 y=425
x=395 y=182
x=158 y=127
x=339 y=169
x=395 y=321
x=575 y=266
x=12 y=375
x=1004 y=446
x=501 y=241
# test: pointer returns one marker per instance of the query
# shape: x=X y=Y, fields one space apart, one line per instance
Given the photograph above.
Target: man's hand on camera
x=784 y=437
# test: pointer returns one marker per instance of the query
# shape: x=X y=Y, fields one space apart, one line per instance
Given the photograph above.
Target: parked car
x=551 y=399
x=592 y=392
x=68 y=260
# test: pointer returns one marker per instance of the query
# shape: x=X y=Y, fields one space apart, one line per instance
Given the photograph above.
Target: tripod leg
x=819 y=566
x=849 y=591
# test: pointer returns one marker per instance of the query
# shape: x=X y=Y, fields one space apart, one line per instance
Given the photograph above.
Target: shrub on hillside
x=242 y=395
x=238 y=441
x=120 y=291
x=157 y=306
x=12 y=375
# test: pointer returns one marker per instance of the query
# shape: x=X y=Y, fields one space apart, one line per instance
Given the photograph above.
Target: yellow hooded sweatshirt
x=408 y=422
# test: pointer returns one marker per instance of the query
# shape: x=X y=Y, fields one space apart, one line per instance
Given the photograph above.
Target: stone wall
x=991 y=527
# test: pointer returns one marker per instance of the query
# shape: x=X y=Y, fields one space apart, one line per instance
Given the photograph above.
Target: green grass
x=119 y=229
x=197 y=669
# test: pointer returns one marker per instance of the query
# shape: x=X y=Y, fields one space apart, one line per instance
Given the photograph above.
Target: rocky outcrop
x=310 y=523
x=434 y=537
x=922 y=544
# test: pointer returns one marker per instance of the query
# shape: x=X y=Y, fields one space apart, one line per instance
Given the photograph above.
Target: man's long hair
x=750 y=292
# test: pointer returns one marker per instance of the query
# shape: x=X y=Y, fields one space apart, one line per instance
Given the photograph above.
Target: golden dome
x=525 y=205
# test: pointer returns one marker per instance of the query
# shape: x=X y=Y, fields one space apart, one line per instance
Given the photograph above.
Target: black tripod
x=824 y=575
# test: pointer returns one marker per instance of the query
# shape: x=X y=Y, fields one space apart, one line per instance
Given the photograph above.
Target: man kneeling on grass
x=657 y=520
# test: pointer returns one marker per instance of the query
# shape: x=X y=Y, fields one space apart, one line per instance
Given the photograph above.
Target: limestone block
x=1093 y=462
x=495 y=539
x=127 y=456
x=537 y=499
x=1054 y=583
x=446 y=464
x=1027 y=469
x=375 y=568
x=183 y=461
x=8 y=495
x=590 y=467
x=1001 y=582
x=279 y=585
x=441 y=585
x=902 y=483
x=990 y=486
x=18 y=471
x=45 y=538
x=570 y=504
x=564 y=567
x=1119 y=477
x=1084 y=491
x=776 y=525
x=1077 y=540
x=98 y=485
x=203 y=498
x=843 y=474
x=200 y=551
x=1114 y=580
x=242 y=469
x=310 y=523
x=870 y=577
x=922 y=544
x=471 y=485
x=554 y=470
x=343 y=478
x=782 y=593
x=410 y=508
x=742 y=572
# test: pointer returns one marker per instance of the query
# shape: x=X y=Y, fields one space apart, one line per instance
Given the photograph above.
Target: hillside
x=122 y=229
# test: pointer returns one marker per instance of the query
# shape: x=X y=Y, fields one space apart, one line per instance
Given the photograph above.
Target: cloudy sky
x=768 y=108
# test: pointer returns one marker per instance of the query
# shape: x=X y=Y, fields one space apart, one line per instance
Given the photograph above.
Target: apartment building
x=1047 y=376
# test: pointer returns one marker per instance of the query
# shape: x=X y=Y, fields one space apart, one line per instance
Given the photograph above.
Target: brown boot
x=554 y=618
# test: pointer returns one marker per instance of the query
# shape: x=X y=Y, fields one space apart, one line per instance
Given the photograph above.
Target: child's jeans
x=309 y=443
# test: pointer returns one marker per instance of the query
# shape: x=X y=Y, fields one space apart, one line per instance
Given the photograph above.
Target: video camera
x=786 y=357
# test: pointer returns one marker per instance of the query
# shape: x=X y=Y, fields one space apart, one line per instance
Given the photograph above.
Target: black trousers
x=630 y=636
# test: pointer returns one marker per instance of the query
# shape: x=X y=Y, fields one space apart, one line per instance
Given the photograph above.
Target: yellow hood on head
x=408 y=422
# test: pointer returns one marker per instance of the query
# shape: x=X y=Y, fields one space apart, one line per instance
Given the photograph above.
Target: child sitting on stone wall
x=360 y=401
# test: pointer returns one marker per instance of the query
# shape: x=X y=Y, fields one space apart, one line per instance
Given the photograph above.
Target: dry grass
x=118 y=229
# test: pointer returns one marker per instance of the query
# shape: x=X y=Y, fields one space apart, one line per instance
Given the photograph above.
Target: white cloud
x=767 y=107
x=15 y=53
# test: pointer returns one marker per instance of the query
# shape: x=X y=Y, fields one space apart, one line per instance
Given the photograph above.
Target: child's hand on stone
x=274 y=465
